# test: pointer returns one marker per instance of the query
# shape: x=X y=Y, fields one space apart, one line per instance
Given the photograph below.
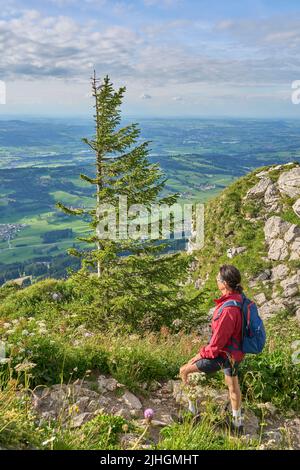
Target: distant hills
x=40 y=163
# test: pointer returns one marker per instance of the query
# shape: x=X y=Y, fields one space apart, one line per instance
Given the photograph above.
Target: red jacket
x=224 y=328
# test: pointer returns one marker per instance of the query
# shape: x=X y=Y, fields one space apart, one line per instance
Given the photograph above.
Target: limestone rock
x=295 y=250
x=264 y=275
x=271 y=198
x=279 y=272
x=251 y=424
x=268 y=408
x=83 y=403
x=80 y=419
x=125 y=413
x=292 y=234
x=107 y=384
x=290 y=286
x=296 y=207
x=132 y=401
x=270 y=308
x=278 y=250
x=111 y=384
x=275 y=227
x=231 y=252
x=260 y=299
x=289 y=182
x=260 y=188
x=272 y=439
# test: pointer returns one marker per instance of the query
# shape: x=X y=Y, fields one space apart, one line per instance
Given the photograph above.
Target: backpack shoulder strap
x=229 y=303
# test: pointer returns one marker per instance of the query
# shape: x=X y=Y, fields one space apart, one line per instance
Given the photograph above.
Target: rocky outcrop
x=283 y=239
x=275 y=227
x=278 y=250
x=272 y=198
x=291 y=286
x=260 y=188
x=289 y=182
x=279 y=272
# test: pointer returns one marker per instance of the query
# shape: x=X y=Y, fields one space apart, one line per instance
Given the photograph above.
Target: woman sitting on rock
x=224 y=348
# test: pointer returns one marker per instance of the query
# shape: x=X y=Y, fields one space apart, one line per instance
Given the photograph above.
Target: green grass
x=207 y=435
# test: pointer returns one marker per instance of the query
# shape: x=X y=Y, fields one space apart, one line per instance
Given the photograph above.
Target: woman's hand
x=194 y=359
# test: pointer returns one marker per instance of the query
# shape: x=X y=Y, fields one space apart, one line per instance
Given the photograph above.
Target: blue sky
x=175 y=57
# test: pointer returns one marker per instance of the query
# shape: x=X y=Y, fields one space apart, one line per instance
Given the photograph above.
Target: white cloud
x=164 y=3
x=170 y=59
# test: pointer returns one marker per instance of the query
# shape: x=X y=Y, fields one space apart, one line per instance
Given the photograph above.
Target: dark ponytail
x=232 y=276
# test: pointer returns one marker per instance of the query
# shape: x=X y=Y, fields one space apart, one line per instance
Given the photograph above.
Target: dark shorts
x=209 y=366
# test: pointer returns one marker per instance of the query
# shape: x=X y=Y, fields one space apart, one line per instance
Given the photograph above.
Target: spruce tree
x=132 y=277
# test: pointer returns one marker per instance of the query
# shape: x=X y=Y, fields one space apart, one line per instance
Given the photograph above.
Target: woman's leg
x=234 y=391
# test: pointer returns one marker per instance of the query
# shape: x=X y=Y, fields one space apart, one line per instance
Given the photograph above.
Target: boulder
x=289 y=182
x=131 y=400
x=272 y=439
x=231 y=252
x=290 y=286
x=260 y=188
x=298 y=314
x=251 y=424
x=83 y=403
x=112 y=384
x=292 y=234
x=268 y=408
x=124 y=413
x=278 y=250
x=271 y=198
x=296 y=207
x=295 y=250
x=107 y=384
x=279 y=272
x=260 y=299
x=270 y=308
x=275 y=227
x=264 y=275
x=80 y=419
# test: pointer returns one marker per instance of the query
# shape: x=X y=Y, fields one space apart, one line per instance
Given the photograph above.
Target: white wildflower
x=5 y=360
x=43 y=331
x=24 y=366
x=10 y=332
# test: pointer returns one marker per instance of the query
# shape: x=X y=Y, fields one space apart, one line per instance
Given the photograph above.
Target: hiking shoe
x=236 y=430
